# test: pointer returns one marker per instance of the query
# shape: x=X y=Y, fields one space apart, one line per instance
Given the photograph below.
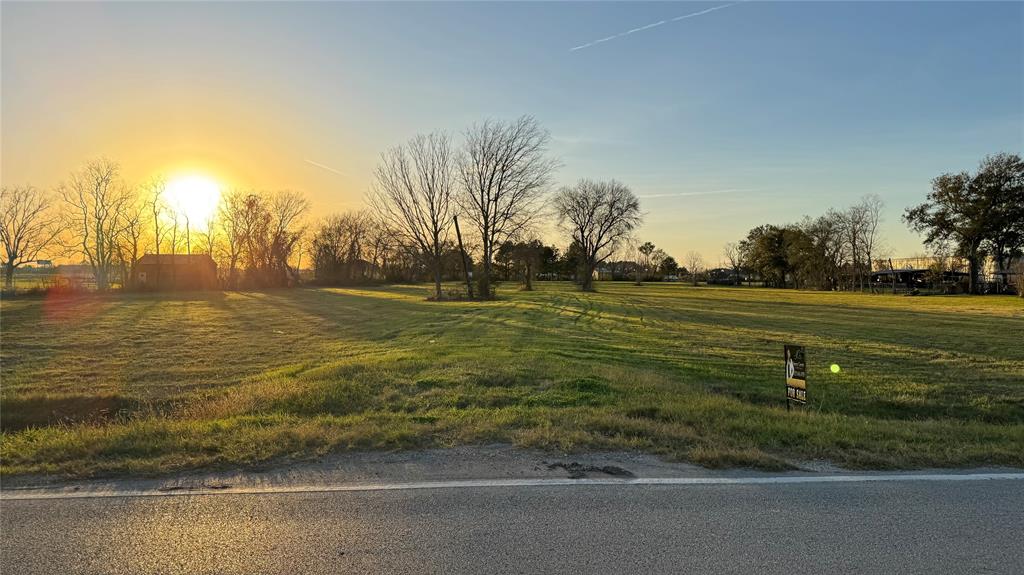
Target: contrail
x=652 y=25
x=328 y=168
x=683 y=194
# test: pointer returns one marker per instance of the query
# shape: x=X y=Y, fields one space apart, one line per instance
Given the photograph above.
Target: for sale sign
x=796 y=373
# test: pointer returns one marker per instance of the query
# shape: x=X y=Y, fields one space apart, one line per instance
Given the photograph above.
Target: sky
x=719 y=116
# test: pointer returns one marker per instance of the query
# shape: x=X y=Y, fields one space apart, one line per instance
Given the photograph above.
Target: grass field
x=151 y=383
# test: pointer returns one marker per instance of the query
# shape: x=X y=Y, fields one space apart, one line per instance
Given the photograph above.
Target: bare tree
x=854 y=225
x=96 y=199
x=286 y=211
x=209 y=236
x=174 y=221
x=230 y=214
x=599 y=216
x=381 y=243
x=871 y=207
x=734 y=256
x=339 y=245
x=413 y=193
x=28 y=225
x=153 y=191
x=188 y=232
x=504 y=174
x=130 y=241
x=694 y=263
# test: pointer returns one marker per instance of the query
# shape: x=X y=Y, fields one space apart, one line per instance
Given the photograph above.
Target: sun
x=194 y=197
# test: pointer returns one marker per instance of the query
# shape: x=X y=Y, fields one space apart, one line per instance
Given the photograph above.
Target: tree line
x=830 y=252
x=972 y=216
x=98 y=218
x=470 y=209
x=498 y=181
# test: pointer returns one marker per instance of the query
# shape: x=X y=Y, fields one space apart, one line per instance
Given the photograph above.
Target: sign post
x=796 y=374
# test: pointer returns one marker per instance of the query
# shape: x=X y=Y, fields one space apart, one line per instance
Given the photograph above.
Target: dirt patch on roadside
x=579 y=470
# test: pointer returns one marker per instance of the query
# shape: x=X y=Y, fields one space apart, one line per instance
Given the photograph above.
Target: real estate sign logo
x=796 y=373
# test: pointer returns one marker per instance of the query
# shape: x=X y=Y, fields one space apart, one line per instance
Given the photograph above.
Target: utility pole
x=465 y=263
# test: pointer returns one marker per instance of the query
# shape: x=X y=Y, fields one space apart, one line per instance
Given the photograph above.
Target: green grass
x=152 y=383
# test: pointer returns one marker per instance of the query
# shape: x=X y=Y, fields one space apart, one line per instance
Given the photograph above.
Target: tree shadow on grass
x=499 y=331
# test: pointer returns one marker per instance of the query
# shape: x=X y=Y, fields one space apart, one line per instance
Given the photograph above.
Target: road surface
x=940 y=526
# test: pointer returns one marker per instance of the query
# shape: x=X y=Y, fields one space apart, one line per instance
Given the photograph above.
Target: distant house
x=176 y=272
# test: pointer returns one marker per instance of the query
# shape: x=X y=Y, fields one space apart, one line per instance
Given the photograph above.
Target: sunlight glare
x=194 y=197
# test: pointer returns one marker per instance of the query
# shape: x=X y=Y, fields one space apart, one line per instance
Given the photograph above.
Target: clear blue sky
x=787 y=108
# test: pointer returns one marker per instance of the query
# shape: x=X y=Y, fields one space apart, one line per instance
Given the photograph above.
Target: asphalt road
x=880 y=527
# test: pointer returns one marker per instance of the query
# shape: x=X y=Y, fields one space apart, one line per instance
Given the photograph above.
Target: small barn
x=176 y=272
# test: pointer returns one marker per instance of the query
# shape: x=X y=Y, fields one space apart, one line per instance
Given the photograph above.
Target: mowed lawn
x=152 y=383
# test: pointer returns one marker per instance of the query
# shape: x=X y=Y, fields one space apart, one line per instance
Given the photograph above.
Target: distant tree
x=764 y=250
x=504 y=173
x=669 y=266
x=695 y=264
x=528 y=255
x=872 y=206
x=173 y=227
x=645 y=249
x=505 y=256
x=599 y=217
x=153 y=196
x=734 y=256
x=802 y=260
x=815 y=249
x=96 y=199
x=287 y=210
x=550 y=257
x=656 y=257
x=413 y=195
x=231 y=214
x=28 y=225
x=1002 y=179
x=340 y=243
x=575 y=263
x=209 y=236
x=131 y=242
x=974 y=209
x=855 y=221
x=261 y=233
x=382 y=246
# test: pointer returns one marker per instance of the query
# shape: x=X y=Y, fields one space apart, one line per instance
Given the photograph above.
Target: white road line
x=491 y=483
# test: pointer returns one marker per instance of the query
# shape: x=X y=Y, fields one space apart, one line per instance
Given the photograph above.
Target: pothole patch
x=579 y=470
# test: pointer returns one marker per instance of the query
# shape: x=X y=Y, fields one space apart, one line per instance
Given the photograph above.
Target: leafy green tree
x=1002 y=179
x=764 y=250
x=975 y=211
